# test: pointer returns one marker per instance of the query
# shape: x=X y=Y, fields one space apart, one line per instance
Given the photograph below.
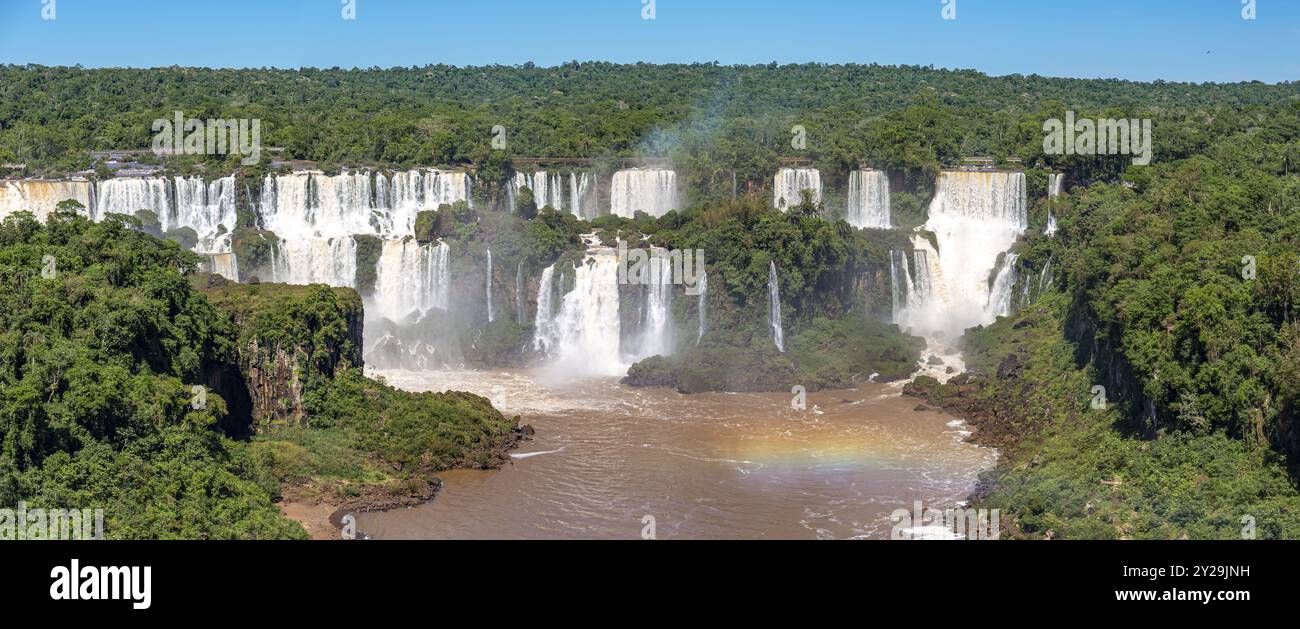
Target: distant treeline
x=718 y=124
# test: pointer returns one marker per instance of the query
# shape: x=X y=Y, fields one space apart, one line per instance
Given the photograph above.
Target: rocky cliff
x=289 y=337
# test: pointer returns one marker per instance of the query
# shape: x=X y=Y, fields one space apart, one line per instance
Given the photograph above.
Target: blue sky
x=1178 y=40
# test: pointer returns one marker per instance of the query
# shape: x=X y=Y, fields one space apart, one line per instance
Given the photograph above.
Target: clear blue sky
x=1183 y=40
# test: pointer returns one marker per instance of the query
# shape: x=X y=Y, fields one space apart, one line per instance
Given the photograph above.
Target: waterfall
x=548 y=189
x=311 y=204
x=1054 y=182
x=410 y=192
x=1045 y=278
x=331 y=261
x=922 y=261
x=223 y=264
x=580 y=204
x=917 y=304
x=583 y=337
x=491 y=317
x=653 y=191
x=411 y=278
x=975 y=217
x=520 y=297
x=207 y=208
x=544 y=324
x=901 y=280
x=656 y=330
x=567 y=193
x=789 y=184
x=999 y=302
x=446 y=187
x=41 y=197
x=306 y=205
x=703 y=306
x=868 y=200
x=774 y=308
x=130 y=195
x=1024 y=297
x=409 y=309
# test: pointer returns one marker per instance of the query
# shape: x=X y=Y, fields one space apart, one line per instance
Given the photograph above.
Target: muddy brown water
x=711 y=466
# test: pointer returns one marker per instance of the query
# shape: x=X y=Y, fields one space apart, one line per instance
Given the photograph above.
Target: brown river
x=614 y=462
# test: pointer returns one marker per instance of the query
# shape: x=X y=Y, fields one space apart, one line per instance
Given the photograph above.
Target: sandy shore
x=313 y=517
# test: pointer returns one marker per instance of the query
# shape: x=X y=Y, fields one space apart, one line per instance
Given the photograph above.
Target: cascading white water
x=975 y=217
x=868 y=201
x=519 y=293
x=1054 y=182
x=568 y=193
x=411 y=278
x=656 y=331
x=223 y=264
x=414 y=191
x=923 y=258
x=650 y=190
x=544 y=333
x=999 y=303
x=583 y=336
x=703 y=306
x=42 y=197
x=331 y=261
x=789 y=184
x=310 y=204
x=918 y=306
x=128 y=195
x=207 y=208
x=1046 y=277
x=901 y=282
x=547 y=188
x=774 y=308
x=582 y=202
x=490 y=316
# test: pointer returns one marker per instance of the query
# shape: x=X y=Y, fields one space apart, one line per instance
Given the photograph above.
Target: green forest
x=1174 y=285
x=107 y=333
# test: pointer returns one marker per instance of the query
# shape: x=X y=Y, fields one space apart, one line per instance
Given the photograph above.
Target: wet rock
x=1009 y=367
x=934 y=360
x=921 y=386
